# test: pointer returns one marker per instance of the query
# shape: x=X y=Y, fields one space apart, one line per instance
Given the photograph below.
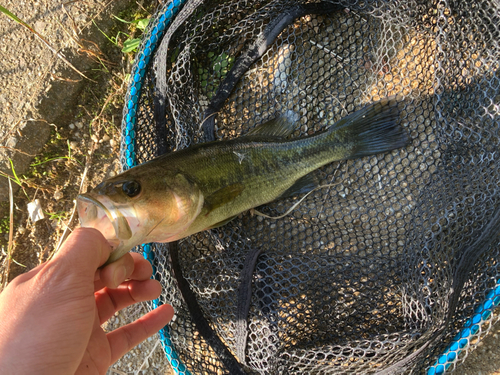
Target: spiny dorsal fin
x=281 y=126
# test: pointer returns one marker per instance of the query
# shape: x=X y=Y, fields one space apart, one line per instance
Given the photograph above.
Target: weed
x=114 y=40
x=130 y=44
x=57 y=158
x=14 y=177
x=58 y=216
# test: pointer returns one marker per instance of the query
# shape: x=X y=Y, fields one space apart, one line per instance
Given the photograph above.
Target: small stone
x=94 y=138
x=35 y=211
x=73 y=144
x=112 y=174
x=39 y=26
x=71 y=126
x=11 y=142
x=112 y=142
x=58 y=195
x=105 y=138
x=79 y=125
x=21 y=230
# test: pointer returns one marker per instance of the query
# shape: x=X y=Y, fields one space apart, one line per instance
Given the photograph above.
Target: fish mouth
x=104 y=216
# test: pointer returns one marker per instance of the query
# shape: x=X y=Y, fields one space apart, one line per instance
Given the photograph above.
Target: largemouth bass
x=206 y=185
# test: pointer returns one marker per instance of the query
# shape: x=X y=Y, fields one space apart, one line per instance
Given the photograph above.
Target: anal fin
x=302 y=186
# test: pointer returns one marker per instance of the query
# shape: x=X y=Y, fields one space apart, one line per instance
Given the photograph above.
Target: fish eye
x=131 y=188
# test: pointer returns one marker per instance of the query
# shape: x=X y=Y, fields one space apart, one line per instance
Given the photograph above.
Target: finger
x=142 y=270
x=84 y=251
x=96 y=356
x=109 y=301
x=125 y=338
x=117 y=272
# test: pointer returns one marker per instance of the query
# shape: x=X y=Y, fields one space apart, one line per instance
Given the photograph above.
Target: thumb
x=85 y=249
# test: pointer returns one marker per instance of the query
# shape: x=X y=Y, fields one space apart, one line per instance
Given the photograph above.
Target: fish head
x=139 y=206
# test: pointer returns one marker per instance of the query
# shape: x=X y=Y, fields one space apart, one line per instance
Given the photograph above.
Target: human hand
x=51 y=316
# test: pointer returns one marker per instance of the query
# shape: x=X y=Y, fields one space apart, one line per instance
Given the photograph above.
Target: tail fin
x=373 y=129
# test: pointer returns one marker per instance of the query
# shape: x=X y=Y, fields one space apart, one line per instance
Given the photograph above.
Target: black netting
x=383 y=267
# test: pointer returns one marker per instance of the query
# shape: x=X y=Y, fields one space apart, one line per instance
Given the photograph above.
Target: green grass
x=131 y=43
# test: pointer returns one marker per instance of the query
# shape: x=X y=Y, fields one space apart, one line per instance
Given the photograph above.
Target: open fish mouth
x=107 y=218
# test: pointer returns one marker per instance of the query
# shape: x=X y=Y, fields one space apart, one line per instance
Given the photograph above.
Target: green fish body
x=208 y=184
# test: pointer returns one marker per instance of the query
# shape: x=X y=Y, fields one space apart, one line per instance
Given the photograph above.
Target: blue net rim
x=155 y=32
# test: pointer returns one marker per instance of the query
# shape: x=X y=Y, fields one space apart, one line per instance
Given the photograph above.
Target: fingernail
x=129 y=270
x=120 y=274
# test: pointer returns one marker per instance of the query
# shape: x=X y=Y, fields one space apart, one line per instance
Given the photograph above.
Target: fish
x=208 y=184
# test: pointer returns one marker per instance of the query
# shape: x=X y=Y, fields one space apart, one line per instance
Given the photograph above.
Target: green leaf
x=130 y=45
x=142 y=23
x=14 y=17
x=121 y=20
x=16 y=180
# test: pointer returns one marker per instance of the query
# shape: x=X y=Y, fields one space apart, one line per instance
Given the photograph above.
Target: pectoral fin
x=222 y=197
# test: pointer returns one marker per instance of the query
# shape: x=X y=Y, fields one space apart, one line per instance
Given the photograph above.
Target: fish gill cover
x=392 y=267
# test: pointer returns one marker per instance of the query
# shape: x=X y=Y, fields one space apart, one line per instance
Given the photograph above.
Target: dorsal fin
x=280 y=127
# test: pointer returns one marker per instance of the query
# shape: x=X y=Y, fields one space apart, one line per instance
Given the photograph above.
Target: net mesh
x=393 y=266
